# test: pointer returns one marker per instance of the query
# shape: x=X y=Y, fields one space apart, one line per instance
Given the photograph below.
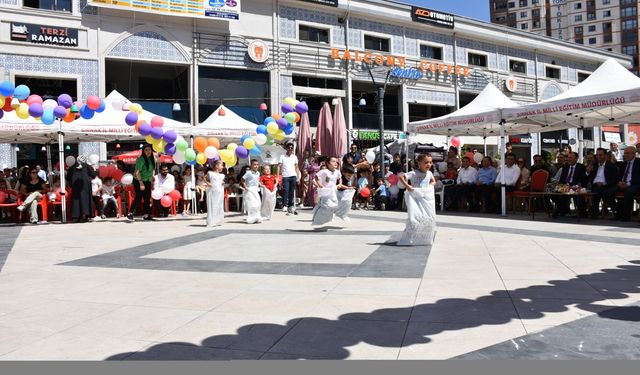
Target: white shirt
x=327 y=178
x=618 y=155
x=511 y=175
x=96 y=185
x=629 y=175
x=467 y=176
x=288 y=165
x=168 y=181
x=600 y=175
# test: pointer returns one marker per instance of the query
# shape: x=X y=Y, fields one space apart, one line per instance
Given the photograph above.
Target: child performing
x=420 y=201
x=215 y=195
x=250 y=183
x=331 y=201
x=269 y=184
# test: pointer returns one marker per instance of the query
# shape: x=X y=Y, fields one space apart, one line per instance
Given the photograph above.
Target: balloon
x=50 y=104
x=232 y=146
x=21 y=92
x=179 y=158
x=269 y=140
x=289 y=129
x=158 y=146
x=93 y=159
x=2 y=101
x=69 y=117
x=210 y=152
x=127 y=179
x=261 y=129
x=144 y=129
x=249 y=143
x=192 y=162
x=286 y=108
x=157 y=133
x=189 y=155
x=272 y=128
x=260 y=139
x=181 y=145
x=166 y=188
x=102 y=107
x=149 y=139
x=156 y=193
x=135 y=107
x=255 y=151
x=244 y=137
x=297 y=117
x=7 y=104
x=65 y=100
x=59 y=111
x=225 y=155
x=170 y=136
x=36 y=110
x=477 y=157
x=199 y=144
x=86 y=112
x=290 y=117
x=1 y=113
x=290 y=101
x=302 y=108
x=282 y=123
x=268 y=120
x=365 y=192
x=201 y=158
x=3 y=197
x=170 y=149
x=33 y=99
x=276 y=116
x=131 y=118
x=280 y=135
x=455 y=141
x=393 y=179
x=48 y=118
x=213 y=141
x=157 y=122
x=370 y=156
x=242 y=152
x=6 y=88
x=394 y=189
x=442 y=166
x=93 y=102
x=23 y=111
x=70 y=160
x=175 y=195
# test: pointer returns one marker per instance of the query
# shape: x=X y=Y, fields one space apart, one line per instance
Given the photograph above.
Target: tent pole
x=295 y=147
x=49 y=167
x=503 y=183
x=484 y=140
x=63 y=182
x=581 y=140
x=194 y=198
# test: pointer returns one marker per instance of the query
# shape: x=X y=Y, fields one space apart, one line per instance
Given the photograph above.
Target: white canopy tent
x=227 y=127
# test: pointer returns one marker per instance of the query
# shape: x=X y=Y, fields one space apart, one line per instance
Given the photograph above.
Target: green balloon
x=290 y=117
x=182 y=145
x=190 y=155
x=269 y=140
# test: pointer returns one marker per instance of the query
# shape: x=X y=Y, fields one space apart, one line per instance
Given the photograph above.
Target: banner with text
x=213 y=9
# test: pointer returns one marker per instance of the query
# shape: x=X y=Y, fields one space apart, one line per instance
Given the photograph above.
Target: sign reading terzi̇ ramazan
x=42 y=34
x=212 y=9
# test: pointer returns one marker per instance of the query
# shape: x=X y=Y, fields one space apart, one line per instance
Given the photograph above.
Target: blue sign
x=406 y=73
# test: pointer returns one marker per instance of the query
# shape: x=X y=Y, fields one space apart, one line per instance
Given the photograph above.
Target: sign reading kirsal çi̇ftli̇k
x=212 y=9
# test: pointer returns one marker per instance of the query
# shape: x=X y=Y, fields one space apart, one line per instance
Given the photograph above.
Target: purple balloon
x=242 y=152
x=65 y=100
x=1 y=113
x=282 y=123
x=131 y=119
x=144 y=129
x=286 y=108
x=36 y=110
x=302 y=108
x=157 y=133
x=59 y=111
x=170 y=136
x=170 y=149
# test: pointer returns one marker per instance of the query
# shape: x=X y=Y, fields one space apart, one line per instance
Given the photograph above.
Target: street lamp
x=381 y=90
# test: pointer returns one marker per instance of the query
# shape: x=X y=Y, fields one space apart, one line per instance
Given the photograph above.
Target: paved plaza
x=488 y=288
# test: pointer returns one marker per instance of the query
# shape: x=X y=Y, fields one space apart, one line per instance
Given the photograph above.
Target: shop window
x=430 y=52
x=551 y=72
x=55 y=5
x=582 y=76
x=318 y=82
x=49 y=88
x=313 y=34
x=376 y=43
x=517 y=66
x=477 y=59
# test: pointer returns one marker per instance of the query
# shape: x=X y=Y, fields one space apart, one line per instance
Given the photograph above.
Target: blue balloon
x=21 y=92
x=86 y=112
x=6 y=88
x=261 y=129
x=266 y=121
x=170 y=149
x=192 y=162
x=255 y=151
x=48 y=117
x=131 y=118
x=102 y=107
x=288 y=130
x=243 y=138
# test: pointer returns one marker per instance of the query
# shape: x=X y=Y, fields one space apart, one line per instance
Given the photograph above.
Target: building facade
x=315 y=50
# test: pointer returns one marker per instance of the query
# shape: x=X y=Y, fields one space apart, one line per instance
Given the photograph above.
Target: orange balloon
x=297 y=117
x=69 y=117
x=200 y=144
x=213 y=141
x=276 y=116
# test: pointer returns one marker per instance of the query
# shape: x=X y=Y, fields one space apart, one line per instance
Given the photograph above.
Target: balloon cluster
x=166 y=194
x=20 y=99
x=164 y=142
x=278 y=126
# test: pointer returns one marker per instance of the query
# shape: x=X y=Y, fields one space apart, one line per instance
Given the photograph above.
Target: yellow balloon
x=201 y=158
x=290 y=100
x=161 y=143
x=249 y=143
x=135 y=107
x=157 y=147
x=233 y=161
x=280 y=135
x=225 y=155
x=150 y=139
x=272 y=128
x=232 y=146
x=23 y=111
x=2 y=101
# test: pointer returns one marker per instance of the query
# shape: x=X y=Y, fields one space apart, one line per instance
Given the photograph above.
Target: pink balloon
x=157 y=122
x=455 y=141
x=166 y=201
x=93 y=102
x=34 y=99
x=393 y=179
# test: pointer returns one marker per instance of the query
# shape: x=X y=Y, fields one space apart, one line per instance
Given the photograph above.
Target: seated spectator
x=524 y=175
x=483 y=189
x=603 y=175
x=538 y=163
x=381 y=195
x=511 y=174
x=452 y=158
x=452 y=172
x=108 y=196
x=467 y=177
x=572 y=174
x=34 y=187
x=628 y=184
x=560 y=163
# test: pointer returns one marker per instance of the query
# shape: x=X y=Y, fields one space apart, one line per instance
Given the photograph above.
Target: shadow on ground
x=8 y=237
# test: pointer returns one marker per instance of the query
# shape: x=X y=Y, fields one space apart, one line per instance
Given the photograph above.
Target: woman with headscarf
x=80 y=176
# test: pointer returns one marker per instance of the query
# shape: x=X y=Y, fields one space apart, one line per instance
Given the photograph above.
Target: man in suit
x=629 y=183
x=603 y=175
x=573 y=174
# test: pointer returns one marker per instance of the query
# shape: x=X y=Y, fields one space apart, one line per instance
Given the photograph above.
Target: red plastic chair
x=49 y=204
x=16 y=196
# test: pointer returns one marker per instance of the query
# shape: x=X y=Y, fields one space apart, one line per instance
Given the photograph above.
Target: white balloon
x=127 y=179
x=442 y=166
x=477 y=157
x=49 y=104
x=370 y=156
x=157 y=194
x=167 y=188
x=94 y=159
x=210 y=152
x=394 y=189
x=260 y=139
x=178 y=158
x=70 y=160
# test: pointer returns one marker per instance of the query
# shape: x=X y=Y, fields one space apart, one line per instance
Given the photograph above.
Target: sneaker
x=295 y=212
x=20 y=208
x=130 y=216
x=103 y=217
x=288 y=213
x=34 y=222
x=284 y=209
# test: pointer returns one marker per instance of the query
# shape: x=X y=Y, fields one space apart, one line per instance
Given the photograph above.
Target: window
x=628 y=12
x=591 y=28
x=629 y=37
x=477 y=59
x=630 y=50
x=578 y=30
x=551 y=72
x=431 y=52
x=578 y=18
x=629 y=24
x=579 y=40
x=606 y=38
x=511 y=16
x=313 y=34
x=605 y=2
x=534 y=2
x=606 y=13
x=535 y=13
x=376 y=43
x=582 y=76
x=591 y=3
x=524 y=26
x=322 y=83
x=627 y=2
x=606 y=27
x=592 y=40
x=56 y=5
x=536 y=24
x=517 y=66
x=577 y=6
x=512 y=4
x=501 y=19
x=591 y=16
x=523 y=14
x=523 y=3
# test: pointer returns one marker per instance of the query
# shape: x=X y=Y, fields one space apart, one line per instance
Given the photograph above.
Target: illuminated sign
x=432 y=17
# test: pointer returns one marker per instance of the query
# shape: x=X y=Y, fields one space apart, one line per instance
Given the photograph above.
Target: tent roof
x=228 y=126
x=611 y=94
x=480 y=117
